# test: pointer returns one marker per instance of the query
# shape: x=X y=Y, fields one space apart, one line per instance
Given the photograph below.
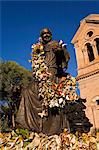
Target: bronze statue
x=56 y=60
x=57 y=56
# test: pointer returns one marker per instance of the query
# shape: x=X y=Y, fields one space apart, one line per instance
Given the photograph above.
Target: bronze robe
x=30 y=105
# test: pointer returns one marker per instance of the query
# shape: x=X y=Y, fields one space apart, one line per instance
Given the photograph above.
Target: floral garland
x=52 y=94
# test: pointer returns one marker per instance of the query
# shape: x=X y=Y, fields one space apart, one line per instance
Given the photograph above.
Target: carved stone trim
x=87 y=75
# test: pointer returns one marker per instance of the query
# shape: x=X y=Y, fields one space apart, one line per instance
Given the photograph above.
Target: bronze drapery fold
x=30 y=106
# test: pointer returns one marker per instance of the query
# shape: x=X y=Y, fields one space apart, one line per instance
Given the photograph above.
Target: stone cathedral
x=86 y=43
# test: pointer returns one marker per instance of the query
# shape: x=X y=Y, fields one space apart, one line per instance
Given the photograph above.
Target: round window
x=90 y=33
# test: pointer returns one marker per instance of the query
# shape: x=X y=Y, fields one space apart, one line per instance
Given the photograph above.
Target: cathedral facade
x=86 y=43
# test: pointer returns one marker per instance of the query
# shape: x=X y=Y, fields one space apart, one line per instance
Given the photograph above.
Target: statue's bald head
x=46 y=35
x=45 y=30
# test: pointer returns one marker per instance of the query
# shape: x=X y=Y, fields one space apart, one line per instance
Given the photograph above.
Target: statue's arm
x=65 y=57
x=62 y=55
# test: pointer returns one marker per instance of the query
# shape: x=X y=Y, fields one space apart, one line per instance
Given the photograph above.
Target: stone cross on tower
x=86 y=43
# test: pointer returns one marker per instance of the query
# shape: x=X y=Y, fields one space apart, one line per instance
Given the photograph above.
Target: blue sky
x=21 y=22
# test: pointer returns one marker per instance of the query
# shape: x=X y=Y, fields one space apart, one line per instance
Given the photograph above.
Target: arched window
x=97 y=44
x=90 y=52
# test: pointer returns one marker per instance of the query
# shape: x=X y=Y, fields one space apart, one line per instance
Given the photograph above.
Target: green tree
x=13 y=77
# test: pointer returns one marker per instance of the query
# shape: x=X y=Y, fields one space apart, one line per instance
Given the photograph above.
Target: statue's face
x=46 y=36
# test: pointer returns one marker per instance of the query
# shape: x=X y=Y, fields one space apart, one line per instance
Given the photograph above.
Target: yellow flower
x=37 y=48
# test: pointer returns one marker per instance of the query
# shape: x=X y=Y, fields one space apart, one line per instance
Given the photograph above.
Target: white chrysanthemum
x=56 y=104
x=67 y=97
x=51 y=104
x=60 y=100
x=33 y=46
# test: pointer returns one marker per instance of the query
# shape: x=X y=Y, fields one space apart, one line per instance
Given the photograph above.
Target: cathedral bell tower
x=86 y=43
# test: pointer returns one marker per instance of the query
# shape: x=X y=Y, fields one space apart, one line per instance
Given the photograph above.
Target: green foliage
x=12 y=76
x=23 y=132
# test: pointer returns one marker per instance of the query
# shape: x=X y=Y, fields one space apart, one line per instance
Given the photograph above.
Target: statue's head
x=46 y=35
